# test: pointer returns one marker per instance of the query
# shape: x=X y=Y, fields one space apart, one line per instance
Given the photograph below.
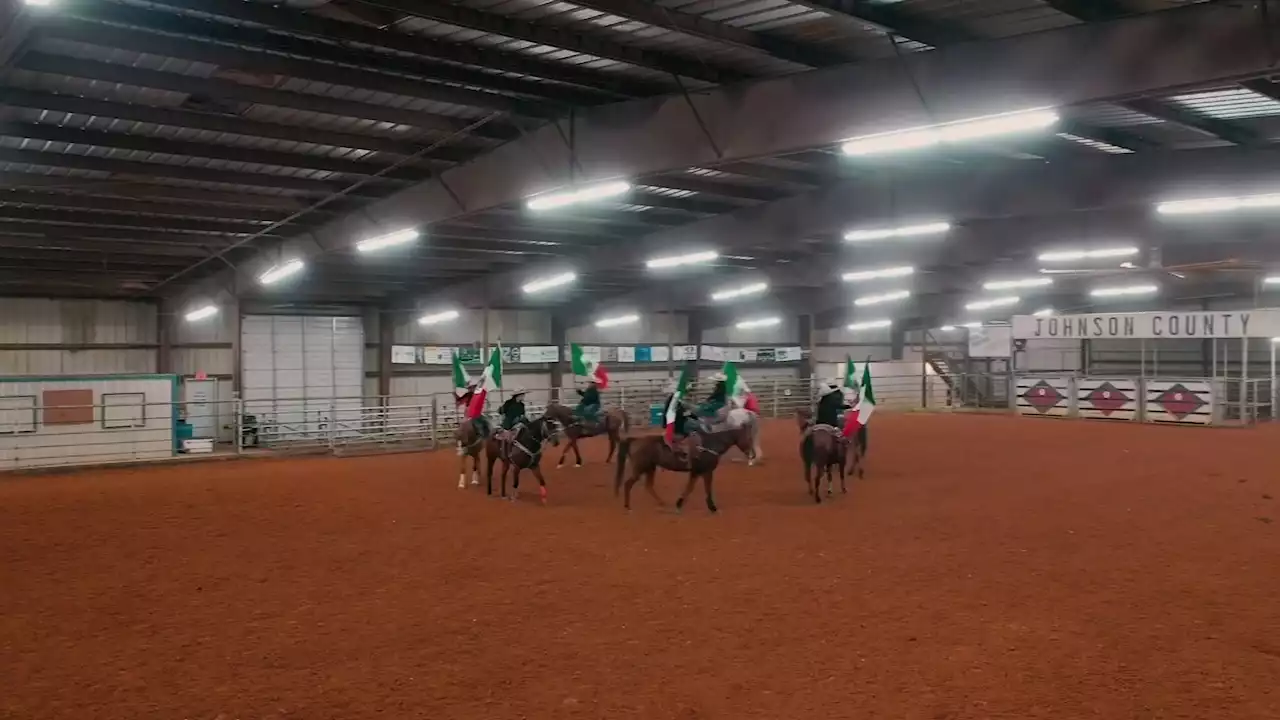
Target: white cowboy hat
x=718 y=377
x=518 y=391
x=831 y=387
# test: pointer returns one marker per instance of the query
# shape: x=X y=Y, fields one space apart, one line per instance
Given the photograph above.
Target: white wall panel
x=512 y=327
x=837 y=353
x=213 y=361
x=220 y=328
x=300 y=369
x=76 y=362
x=787 y=332
x=843 y=334
x=652 y=329
x=40 y=321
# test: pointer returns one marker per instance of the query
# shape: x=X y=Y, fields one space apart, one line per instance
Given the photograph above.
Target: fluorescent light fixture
x=889 y=272
x=574 y=196
x=882 y=298
x=1275 y=339
x=929 y=228
x=1043 y=312
x=399 y=237
x=678 y=260
x=40 y=3
x=202 y=313
x=1124 y=290
x=1074 y=255
x=1128 y=265
x=439 y=317
x=974 y=324
x=752 y=289
x=550 y=282
x=953 y=132
x=993 y=303
x=1203 y=206
x=869 y=324
x=1014 y=284
x=280 y=272
x=947 y=328
x=1271 y=280
x=616 y=321
x=758 y=323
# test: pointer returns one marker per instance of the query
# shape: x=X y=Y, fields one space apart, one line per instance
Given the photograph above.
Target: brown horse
x=469 y=442
x=651 y=452
x=521 y=449
x=614 y=424
x=821 y=446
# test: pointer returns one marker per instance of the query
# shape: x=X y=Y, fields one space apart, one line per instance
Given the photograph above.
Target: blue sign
x=644 y=353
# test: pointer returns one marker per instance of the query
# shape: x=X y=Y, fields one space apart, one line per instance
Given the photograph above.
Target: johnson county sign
x=1264 y=323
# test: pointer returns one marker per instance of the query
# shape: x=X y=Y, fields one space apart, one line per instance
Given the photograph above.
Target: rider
x=716 y=401
x=830 y=405
x=464 y=401
x=513 y=412
x=686 y=426
x=588 y=408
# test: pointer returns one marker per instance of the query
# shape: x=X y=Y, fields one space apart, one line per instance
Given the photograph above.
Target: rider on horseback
x=686 y=427
x=588 y=408
x=716 y=401
x=512 y=411
x=464 y=400
x=830 y=405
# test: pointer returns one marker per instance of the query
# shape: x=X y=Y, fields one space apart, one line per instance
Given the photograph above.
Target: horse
x=734 y=418
x=469 y=441
x=521 y=449
x=652 y=452
x=821 y=447
x=615 y=424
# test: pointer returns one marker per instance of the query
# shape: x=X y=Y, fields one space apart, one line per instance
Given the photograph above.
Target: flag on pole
x=736 y=390
x=490 y=379
x=584 y=366
x=459 y=377
x=861 y=413
x=849 y=380
x=673 y=408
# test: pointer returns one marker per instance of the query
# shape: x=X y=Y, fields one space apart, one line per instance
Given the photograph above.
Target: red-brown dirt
x=988 y=567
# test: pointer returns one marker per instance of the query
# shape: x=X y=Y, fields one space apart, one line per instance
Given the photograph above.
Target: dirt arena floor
x=988 y=567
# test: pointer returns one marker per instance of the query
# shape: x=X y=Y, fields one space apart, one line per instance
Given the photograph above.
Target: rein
x=549 y=427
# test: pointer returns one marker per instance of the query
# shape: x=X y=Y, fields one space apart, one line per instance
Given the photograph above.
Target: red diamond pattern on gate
x=1107 y=398
x=1179 y=402
x=1042 y=396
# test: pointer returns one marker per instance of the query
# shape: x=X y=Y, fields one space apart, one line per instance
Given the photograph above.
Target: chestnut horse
x=650 y=452
x=821 y=446
x=521 y=449
x=469 y=442
x=614 y=423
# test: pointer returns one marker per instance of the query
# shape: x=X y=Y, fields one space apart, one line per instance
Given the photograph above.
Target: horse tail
x=624 y=448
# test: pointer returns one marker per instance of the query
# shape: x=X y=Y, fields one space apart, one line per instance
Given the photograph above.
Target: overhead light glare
x=959 y=131
x=550 y=282
x=1271 y=280
x=1074 y=255
x=616 y=321
x=993 y=303
x=679 y=260
x=882 y=298
x=280 y=272
x=930 y=228
x=399 y=237
x=202 y=313
x=435 y=318
x=1014 y=284
x=971 y=325
x=575 y=196
x=758 y=323
x=1124 y=290
x=1043 y=312
x=889 y=272
x=947 y=328
x=752 y=289
x=869 y=324
x=1204 y=206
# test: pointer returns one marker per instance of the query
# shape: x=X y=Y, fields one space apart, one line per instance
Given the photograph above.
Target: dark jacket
x=512 y=412
x=590 y=396
x=717 y=393
x=829 y=407
x=685 y=421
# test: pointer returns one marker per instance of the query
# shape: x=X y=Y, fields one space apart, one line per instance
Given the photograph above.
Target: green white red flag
x=736 y=390
x=673 y=408
x=459 y=377
x=861 y=413
x=849 y=380
x=490 y=379
x=590 y=368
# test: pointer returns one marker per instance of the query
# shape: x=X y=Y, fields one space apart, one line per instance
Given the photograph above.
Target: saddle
x=834 y=431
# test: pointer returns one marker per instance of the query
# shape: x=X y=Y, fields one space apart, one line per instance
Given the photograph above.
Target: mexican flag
x=490 y=379
x=861 y=413
x=583 y=366
x=459 y=377
x=673 y=410
x=736 y=390
x=849 y=380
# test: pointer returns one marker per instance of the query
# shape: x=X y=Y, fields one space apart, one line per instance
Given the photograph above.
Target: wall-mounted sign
x=403 y=354
x=626 y=354
x=990 y=341
x=1150 y=325
x=539 y=353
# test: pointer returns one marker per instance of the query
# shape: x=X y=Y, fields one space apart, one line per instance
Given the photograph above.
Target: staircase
x=964 y=391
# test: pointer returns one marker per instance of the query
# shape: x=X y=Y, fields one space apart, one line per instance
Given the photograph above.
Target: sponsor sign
x=1150 y=325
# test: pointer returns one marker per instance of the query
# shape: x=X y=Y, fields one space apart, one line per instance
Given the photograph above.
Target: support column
x=386 y=338
x=808 y=360
x=484 y=334
x=696 y=323
x=165 y=330
x=232 y=309
x=897 y=343
x=559 y=338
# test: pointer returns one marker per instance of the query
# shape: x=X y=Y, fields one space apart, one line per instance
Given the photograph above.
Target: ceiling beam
x=158 y=191
x=1219 y=129
x=1189 y=46
x=317 y=26
x=139 y=207
x=228 y=90
x=564 y=38
x=88 y=234
x=96 y=246
x=188 y=46
x=123 y=220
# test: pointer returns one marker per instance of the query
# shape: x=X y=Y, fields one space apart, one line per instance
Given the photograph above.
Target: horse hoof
x=577 y=464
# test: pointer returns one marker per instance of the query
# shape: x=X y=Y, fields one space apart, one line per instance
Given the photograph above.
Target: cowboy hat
x=518 y=391
x=830 y=388
x=718 y=377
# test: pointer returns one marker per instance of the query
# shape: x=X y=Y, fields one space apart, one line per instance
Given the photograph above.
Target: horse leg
x=505 y=466
x=707 y=480
x=688 y=488
x=515 y=482
x=653 y=492
x=626 y=491
x=613 y=446
x=542 y=484
x=462 y=468
x=572 y=441
x=488 y=475
x=830 y=480
x=577 y=455
x=843 y=489
x=475 y=469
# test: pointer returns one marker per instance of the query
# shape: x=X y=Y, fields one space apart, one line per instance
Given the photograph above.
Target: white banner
x=433 y=355
x=659 y=353
x=626 y=354
x=539 y=353
x=1150 y=325
x=990 y=341
x=713 y=352
x=787 y=354
x=686 y=352
x=403 y=354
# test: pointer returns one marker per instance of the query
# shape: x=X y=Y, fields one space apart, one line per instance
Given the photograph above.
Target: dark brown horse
x=821 y=446
x=521 y=449
x=614 y=423
x=469 y=442
x=650 y=452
